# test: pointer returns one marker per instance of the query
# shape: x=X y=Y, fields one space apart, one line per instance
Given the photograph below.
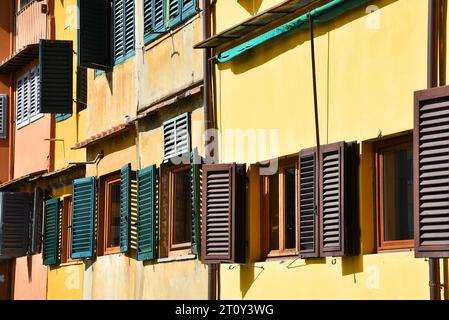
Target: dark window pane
x=114 y=215
x=273 y=192
x=182 y=215
x=23 y=3
x=290 y=208
x=398 y=194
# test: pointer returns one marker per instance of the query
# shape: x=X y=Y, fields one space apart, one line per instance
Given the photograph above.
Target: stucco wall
x=30 y=281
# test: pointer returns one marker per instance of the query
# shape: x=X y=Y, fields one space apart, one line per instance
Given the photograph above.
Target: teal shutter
x=124 y=38
x=94 y=34
x=125 y=207
x=189 y=7
x=174 y=12
x=195 y=189
x=146 y=214
x=51 y=232
x=83 y=218
x=56 y=76
x=147 y=14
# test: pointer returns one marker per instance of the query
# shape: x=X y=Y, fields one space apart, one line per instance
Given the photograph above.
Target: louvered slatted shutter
x=51 y=232
x=56 y=76
x=83 y=218
x=129 y=27
x=223 y=219
x=14 y=224
x=33 y=89
x=94 y=34
x=125 y=207
x=118 y=29
x=146 y=214
x=431 y=173
x=195 y=188
x=338 y=194
x=177 y=136
x=3 y=116
x=158 y=16
x=189 y=7
x=81 y=85
x=147 y=17
x=308 y=231
x=36 y=222
x=174 y=12
x=19 y=102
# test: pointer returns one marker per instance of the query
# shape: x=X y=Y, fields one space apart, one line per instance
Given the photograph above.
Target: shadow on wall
x=252 y=6
x=272 y=49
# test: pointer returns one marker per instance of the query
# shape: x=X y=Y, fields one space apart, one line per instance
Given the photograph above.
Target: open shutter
x=83 y=218
x=94 y=34
x=146 y=214
x=125 y=207
x=14 y=226
x=177 y=136
x=223 y=225
x=56 y=76
x=51 y=232
x=431 y=173
x=3 y=116
x=338 y=200
x=195 y=189
x=36 y=223
x=81 y=85
x=308 y=195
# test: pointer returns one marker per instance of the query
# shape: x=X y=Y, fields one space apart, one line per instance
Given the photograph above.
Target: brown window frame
x=265 y=205
x=104 y=218
x=66 y=230
x=180 y=249
x=390 y=144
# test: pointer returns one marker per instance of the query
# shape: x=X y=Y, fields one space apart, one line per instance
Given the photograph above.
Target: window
x=28 y=97
x=111 y=224
x=23 y=3
x=155 y=14
x=177 y=137
x=180 y=211
x=66 y=229
x=124 y=39
x=394 y=193
x=279 y=209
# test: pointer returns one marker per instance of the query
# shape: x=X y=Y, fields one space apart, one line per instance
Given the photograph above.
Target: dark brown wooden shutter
x=223 y=230
x=431 y=172
x=308 y=233
x=339 y=227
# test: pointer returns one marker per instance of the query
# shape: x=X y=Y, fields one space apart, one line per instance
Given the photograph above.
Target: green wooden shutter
x=174 y=12
x=83 y=218
x=81 y=85
x=56 y=76
x=195 y=189
x=124 y=39
x=146 y=214
x=125 y=207
x=129 y=37
x=158 y=16
x=188 y=8
x=94 y=48
x=36 y=222
x=51 y=232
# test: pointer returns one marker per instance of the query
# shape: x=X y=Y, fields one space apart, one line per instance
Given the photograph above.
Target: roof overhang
x=20 y=58
x=107 y=134
x=260 y=23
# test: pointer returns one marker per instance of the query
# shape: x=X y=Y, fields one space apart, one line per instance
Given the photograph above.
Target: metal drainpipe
x=207 y=54
x=432 y=81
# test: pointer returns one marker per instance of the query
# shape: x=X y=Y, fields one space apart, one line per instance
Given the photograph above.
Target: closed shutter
x=23 y=102
x=94 y=34
x=174 y=12
x=147 y=14
x=195 y=189
x=146 y=214
x=36 y=222
x=81 y=85
x=125 y=207
x=83 y=218
x=14 y=226
x=56 y=76
x=158 y=16
x=19 y=102
x=223 y=219
x=189 y=7
x=177 y=136
x=33 y=87
x=431 y=173
x=51 y=232
x=308 y=233
x=338 y=200
x=123 y=29
x=3 y=116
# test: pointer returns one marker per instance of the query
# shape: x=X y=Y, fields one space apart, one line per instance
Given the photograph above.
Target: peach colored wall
x=32 y=152
x=4 y=143
x=30 y=281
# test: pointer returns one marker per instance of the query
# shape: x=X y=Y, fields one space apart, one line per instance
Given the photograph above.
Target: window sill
x=179 y=258
x=71 y=263
x=391 y=250
x=33 y=119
